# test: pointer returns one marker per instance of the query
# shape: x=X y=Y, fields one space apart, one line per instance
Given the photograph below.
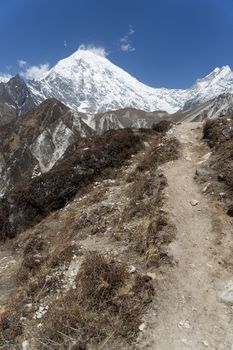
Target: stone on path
x=194 y=202
x=226 y=294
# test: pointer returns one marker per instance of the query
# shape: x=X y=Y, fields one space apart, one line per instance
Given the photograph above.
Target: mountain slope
x=16 y=94
x=5 y=78
x=122 y=118
x=218 y=106
x=32 y=144
x=218 y=82
x=90 y=83
x=7 y=113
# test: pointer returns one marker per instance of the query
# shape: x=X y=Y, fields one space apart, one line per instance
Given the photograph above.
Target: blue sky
x=161 y=42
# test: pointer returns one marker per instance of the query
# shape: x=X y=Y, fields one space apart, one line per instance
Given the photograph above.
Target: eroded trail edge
x=188 y=312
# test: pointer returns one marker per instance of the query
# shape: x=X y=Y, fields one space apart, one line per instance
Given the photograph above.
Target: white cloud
x=4 y=78
x=126 y=43
x=22 y=63
x=99 y=51
x=65 y=43
x=35 y=72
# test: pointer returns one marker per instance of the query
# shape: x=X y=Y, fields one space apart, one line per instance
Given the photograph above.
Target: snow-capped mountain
x=218 y=82
x=90 y=83
x=217 y=107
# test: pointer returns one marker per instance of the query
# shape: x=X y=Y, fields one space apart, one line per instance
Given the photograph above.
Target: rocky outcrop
x=123 y=118
x=7 y=113
x=32 y=144
x=16 y=94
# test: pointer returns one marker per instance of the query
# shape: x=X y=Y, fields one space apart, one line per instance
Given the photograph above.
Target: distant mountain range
x=90 y=83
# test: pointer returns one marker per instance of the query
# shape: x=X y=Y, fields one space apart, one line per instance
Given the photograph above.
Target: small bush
x=163 y=126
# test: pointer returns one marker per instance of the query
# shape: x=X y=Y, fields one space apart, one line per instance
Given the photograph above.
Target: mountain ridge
x=90 y=83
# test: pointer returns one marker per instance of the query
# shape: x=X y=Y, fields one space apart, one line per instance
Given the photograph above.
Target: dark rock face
x=16 y=94
x=7 y=113
x=32 y=144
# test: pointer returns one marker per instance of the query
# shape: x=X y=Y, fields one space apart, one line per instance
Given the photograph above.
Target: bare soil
x=187 y=313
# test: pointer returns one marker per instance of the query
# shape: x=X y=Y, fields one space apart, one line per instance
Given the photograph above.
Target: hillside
x=116 y=246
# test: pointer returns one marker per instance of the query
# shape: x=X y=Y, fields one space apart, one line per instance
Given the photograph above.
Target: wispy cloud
x=99 y=51
x=5 y=77
x=126 y=44
x=35 y=72
x=22 y=63
x=65 y=43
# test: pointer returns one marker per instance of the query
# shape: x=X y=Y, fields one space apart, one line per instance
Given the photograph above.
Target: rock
x=207 y=156
x=29 y=305
x=142 y=327
x=194 y=202
x=152 y=275
x=184 y=324
x=132 y=269
x=227 y=133
x=25 y=345
x=203 y=169
x=206 y=187
x=205 y=343
x=226 y=294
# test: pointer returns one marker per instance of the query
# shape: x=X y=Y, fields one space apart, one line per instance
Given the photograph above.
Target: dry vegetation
x=219 y=135
x=107 y=300
x=146 y=201
x=26 y=205
x=114 y=221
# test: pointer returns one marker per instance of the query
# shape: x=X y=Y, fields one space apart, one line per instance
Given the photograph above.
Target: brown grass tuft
x=107 y=300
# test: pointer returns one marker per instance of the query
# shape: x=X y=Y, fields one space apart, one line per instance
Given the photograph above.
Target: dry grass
x=105 y=308
x=107 y=300
x=152 y=242
x=219 y=136
x=162 y=151
x=146 y=185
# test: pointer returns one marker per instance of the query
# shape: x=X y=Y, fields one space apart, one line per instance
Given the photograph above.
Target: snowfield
x=90 y=83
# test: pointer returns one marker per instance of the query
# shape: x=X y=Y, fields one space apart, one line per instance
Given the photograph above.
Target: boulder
x=203 y=169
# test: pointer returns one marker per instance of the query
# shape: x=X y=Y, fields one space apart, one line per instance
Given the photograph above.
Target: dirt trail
x=189 y=314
